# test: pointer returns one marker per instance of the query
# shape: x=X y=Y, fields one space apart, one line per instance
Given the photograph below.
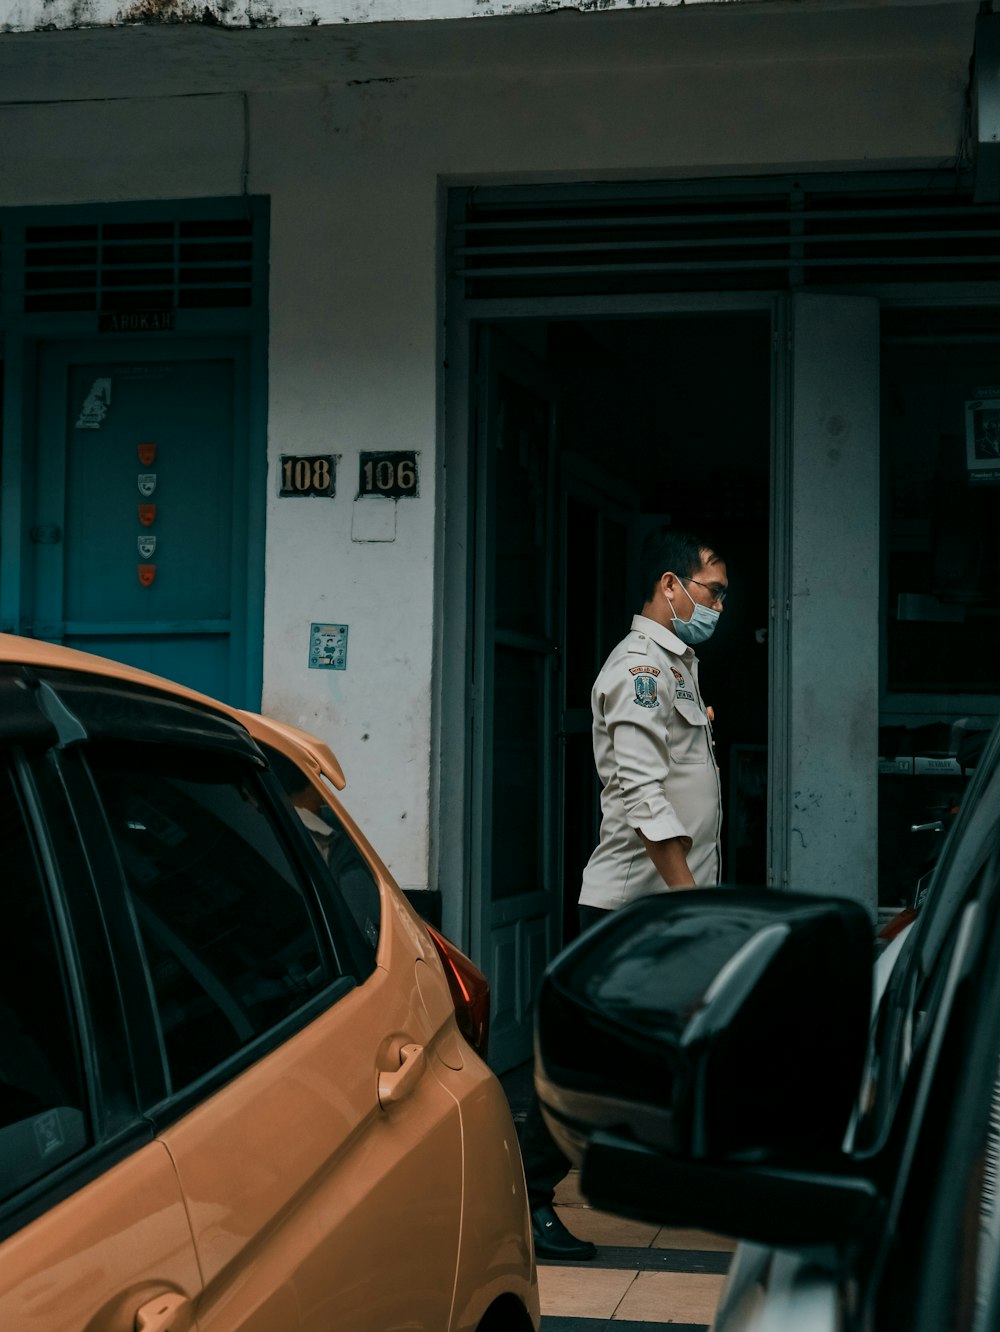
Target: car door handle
x=169 y=1312
x=395 y=1087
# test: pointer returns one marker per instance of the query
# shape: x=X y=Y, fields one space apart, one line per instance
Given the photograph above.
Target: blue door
x=139 y=539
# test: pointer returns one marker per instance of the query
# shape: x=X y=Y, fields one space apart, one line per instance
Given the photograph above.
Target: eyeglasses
x=715 y=590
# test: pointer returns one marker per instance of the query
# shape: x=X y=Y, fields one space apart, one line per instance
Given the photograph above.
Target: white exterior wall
x=32 y=15
x=354 y=175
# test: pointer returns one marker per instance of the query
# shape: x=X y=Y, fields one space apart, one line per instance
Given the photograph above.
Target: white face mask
x=701 y=625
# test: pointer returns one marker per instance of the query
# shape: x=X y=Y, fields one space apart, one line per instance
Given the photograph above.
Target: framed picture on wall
x=982 y=436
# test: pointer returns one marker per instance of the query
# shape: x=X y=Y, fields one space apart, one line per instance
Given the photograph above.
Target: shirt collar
x=663 y=636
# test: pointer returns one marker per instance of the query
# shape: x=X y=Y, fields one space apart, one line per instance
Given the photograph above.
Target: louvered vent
x=510 y=244
x=119 y=266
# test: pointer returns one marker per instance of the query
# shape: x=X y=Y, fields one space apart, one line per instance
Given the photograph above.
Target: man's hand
x=670 y=859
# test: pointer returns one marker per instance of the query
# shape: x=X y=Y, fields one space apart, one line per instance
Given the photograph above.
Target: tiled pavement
x=643 y=1278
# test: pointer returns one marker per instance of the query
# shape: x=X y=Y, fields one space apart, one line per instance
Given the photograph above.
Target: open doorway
x=589 y=433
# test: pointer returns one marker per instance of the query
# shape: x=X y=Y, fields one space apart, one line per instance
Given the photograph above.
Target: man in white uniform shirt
x=660 y=796
x=661 y=815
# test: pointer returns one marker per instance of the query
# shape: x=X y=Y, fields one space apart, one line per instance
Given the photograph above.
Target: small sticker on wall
x=328 y=647
x=95 y=405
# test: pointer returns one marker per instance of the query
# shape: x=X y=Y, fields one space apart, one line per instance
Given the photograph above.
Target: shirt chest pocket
x=687 y=733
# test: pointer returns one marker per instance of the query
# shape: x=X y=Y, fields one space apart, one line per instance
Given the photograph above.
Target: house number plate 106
x=393 y=475
x=307 y=474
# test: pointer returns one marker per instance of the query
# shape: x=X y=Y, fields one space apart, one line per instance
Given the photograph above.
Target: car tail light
x=470 y=992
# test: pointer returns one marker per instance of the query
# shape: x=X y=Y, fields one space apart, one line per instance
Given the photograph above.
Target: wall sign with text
x=392 y=475
x=136 y=321
x=307 y=474
x=328 y=647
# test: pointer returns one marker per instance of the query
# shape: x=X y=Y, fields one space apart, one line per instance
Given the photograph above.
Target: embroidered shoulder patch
x=644 y=670
x=677 y=675
x=645 y=690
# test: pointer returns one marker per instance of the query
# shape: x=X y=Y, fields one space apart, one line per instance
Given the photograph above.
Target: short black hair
x=667 y=550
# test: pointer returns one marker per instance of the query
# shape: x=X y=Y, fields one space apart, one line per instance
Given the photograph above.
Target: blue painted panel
x=200 y=662
x=184 y=615
x=185 y=409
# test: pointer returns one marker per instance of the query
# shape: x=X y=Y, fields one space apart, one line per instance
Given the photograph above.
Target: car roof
x=300 y=746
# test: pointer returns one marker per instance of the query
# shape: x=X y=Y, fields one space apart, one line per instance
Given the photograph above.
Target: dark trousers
x=544 y=1163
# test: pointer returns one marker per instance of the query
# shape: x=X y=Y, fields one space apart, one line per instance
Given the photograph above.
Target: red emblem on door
x=147 y=514
x=147 y=572
x=147 y=453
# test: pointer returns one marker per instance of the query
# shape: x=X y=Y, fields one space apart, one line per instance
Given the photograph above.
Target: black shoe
x=553 y=1240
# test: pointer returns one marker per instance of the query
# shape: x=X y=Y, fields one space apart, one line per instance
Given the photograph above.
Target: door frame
x=514 y=927
x=450 y=756
x=453 y=748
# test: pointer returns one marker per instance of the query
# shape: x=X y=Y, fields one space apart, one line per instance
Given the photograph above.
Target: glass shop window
x=940 y=578
x=941 y=446
x=226 y=925
x=42 y=1116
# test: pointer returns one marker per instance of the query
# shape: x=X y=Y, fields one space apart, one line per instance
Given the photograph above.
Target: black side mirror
x=720 y=1027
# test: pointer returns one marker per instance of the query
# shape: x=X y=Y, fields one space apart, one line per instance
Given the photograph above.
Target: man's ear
x=668 y=584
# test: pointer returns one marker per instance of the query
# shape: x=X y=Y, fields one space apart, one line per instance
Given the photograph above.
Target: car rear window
x=343 y=865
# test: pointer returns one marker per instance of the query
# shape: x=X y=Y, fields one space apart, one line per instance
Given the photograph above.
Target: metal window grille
x=108 y=266
x=745 y=235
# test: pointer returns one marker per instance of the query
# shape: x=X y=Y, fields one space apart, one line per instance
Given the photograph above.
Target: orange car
x=233 y=1089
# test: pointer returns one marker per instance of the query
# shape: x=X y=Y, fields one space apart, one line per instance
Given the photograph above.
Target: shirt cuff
x=657 y=825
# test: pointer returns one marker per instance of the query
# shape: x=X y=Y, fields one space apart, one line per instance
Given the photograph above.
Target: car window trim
x=143 y=1035
x=75 y=888
x=111 y=1138
x=70 y=962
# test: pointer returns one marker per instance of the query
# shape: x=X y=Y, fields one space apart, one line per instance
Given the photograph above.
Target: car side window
x=348 y=871
x=231 y=942
x=43 y=1120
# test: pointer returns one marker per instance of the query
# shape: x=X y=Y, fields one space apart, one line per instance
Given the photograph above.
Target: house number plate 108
x=307 y=475
x=393 y=475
